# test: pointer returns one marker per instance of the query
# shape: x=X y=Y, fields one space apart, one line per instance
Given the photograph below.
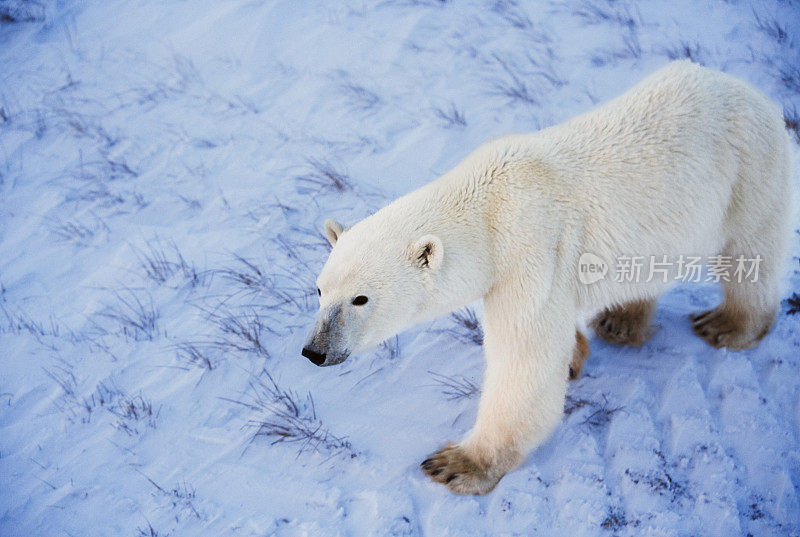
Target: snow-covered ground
x=165 y=168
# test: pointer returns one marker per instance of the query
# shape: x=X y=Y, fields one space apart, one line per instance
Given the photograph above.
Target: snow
x=165 y=169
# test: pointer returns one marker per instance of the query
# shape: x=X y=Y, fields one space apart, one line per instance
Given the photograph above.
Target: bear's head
x=375 y=282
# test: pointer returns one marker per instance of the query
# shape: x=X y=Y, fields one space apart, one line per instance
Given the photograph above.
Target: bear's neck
x=454 y=208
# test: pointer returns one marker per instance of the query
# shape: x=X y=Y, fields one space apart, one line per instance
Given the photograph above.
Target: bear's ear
x=427 y=252
x=333 y=230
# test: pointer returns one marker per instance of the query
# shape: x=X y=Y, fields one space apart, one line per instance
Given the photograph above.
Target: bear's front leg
x=527 y=355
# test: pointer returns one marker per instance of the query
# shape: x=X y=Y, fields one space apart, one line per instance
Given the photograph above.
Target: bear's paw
x=457 y=470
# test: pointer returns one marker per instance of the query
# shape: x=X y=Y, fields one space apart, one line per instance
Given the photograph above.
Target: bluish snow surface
x=165 y=168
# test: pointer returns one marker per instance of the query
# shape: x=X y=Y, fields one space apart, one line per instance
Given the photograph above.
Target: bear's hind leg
x=756 y=226
x=628 y=324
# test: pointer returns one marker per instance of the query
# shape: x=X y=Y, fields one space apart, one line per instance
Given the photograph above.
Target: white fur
x=690 y=161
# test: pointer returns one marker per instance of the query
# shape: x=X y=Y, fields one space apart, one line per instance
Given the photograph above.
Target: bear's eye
x=360 y=300
x=319 y=292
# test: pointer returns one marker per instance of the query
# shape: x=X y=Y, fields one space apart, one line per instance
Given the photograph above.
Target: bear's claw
x=579 y=356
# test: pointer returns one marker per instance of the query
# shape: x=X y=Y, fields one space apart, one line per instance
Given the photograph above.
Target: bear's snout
x=315 y=357
x=326 y=344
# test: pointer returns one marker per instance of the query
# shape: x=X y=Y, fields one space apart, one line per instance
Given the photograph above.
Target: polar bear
x=689 y=161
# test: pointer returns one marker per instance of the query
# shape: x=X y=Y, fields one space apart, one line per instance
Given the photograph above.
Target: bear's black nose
x=315 y=357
